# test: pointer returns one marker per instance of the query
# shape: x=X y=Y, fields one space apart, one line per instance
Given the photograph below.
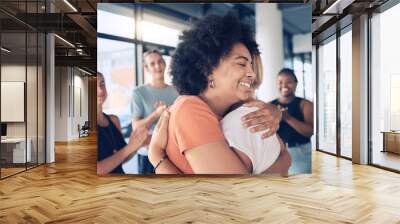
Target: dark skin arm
x=306 y=127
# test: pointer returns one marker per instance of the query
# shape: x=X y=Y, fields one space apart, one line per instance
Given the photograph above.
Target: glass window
x=345 y=94
x=14 y=153
x=116 y=60
x=169 y=37
x=302 y=68
x=108 y=15
x=298 y=70
x=327 y=97
x=308 y=80
x=385 y=85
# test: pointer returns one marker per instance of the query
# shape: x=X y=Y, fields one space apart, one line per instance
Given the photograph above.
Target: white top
x=262 y=152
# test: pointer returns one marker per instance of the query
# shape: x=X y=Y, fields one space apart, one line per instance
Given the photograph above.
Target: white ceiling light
x=337 y=7
x=86 y=72
x=5 y=50
x=65 y=41
x=70 y=5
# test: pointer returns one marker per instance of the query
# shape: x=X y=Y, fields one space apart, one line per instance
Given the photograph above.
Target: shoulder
x=189 y=103
x=140 y=89
x=305 y=103
x=306 y=106
x=191 y=108
x=115 y=120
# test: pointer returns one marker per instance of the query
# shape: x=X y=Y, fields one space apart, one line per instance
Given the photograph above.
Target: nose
x=251 y=74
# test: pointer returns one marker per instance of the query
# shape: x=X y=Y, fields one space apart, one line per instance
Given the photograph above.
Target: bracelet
x=159 y=162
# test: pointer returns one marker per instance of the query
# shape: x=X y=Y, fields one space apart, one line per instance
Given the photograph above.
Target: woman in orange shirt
x=212 y=70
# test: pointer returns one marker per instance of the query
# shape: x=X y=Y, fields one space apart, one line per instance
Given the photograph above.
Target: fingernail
x=245 y=125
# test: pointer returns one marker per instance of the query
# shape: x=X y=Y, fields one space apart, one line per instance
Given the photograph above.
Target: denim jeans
x=301 y=158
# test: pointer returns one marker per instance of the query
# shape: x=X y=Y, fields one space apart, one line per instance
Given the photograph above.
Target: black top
x=286 y=132
x=109 y=139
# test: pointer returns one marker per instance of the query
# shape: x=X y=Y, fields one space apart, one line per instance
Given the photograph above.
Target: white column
x=269 y=36
x=50 y=92
x=50 y=99
x=360 y=90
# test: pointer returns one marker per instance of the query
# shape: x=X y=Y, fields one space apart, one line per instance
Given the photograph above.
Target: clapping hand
x=138 y=138
x=160 y=107
x=285 y=113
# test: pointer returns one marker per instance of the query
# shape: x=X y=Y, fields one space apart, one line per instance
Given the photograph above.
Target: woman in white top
x=258 y=155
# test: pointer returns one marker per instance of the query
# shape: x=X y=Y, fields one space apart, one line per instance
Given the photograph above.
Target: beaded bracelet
x=159 y=162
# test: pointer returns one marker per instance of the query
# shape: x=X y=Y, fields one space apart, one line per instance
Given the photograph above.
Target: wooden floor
x=386 y=159
x=69 y=191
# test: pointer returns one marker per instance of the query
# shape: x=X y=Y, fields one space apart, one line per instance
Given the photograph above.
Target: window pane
x=14 y=153
x=298 y=70
x=169 y=37
x=327 y=97
x=308 y=80
x=116 y=60
x=385 y=88
x=345 y=94
x=110 y=15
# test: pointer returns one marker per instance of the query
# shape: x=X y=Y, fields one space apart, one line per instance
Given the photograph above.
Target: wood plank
x=70 y=191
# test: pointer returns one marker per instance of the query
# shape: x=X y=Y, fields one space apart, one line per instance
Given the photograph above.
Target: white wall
x=71 y=94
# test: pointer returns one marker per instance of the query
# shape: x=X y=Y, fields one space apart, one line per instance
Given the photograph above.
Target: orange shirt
x=192 y=123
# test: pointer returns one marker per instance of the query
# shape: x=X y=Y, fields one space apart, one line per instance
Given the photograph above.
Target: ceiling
x=332 y=15
x=77 y=24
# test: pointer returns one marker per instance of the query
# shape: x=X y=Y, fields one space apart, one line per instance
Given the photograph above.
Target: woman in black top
x=112 y=149
x=296 y=127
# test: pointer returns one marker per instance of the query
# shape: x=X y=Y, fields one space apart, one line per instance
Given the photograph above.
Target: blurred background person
x=149 y=101
x=296 y=127
x=111 y=146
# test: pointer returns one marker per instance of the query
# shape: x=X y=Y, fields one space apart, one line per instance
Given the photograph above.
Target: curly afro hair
x=203 y=46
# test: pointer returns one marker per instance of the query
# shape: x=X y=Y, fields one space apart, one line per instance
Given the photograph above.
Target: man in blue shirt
x=149 y=101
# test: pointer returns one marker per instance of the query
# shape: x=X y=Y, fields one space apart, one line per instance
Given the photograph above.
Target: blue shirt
x=143 y=99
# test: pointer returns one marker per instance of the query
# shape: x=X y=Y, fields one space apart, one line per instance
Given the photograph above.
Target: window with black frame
x=22 y=88
x=327 y=96
x=385 y=89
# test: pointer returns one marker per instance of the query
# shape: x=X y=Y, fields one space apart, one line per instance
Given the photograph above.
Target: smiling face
x=234 y=76
x=286 y=85
x=101 y=90
x=154 y=65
